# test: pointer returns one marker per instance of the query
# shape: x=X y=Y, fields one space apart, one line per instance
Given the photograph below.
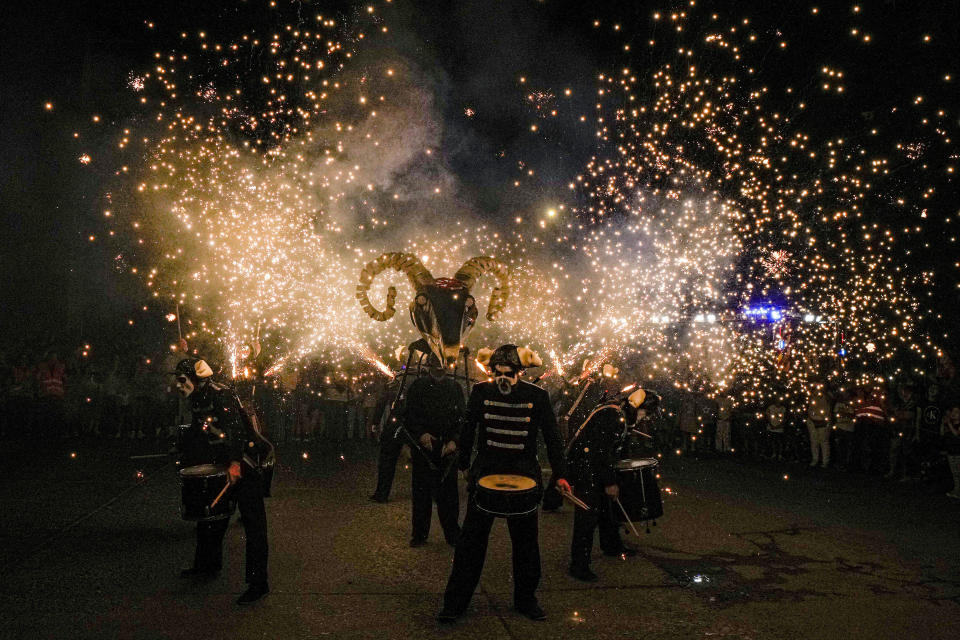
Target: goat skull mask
x=443 y=309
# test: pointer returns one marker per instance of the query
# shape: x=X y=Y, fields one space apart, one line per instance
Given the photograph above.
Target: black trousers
x=390 y=448
x=585 y=522
x=775 y=444
x=845 y=448
x=427 y=487
x=471 y=552
x=878 y=442
x=861 y=444
x=209 y=554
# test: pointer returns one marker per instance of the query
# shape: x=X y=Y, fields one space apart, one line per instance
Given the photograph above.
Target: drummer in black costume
x=591 y=463
x=219 y=435
x=503 y=418
x=601 y=384
x=433 y=416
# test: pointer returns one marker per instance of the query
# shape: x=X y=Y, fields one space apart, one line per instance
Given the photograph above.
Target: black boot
x=583 y=573
x=532 y=611
x=447 y=616
x=194 y=572
x=253 y=593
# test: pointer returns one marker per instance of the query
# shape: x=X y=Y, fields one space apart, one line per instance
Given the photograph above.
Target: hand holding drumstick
x=233 y=477
x=565 y=490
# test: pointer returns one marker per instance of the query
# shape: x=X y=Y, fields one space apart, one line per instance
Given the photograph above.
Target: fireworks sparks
x=542 y=103
x=136 y=83
x=267 y=185
x=696 y=172
x=368 y=355
x=776 y=263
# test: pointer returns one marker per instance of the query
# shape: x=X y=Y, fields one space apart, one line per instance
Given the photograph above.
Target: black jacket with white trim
x=504 y=429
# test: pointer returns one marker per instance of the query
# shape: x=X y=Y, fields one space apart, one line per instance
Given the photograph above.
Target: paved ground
x=89 y=550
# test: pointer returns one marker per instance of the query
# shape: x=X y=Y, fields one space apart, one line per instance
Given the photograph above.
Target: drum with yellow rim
x=507 y=495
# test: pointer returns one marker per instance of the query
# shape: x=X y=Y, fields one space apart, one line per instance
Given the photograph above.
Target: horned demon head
x=443 y=310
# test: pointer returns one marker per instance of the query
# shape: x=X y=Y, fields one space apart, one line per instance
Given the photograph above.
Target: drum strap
x=585 y=422
x=263 y=452
x=579 y=399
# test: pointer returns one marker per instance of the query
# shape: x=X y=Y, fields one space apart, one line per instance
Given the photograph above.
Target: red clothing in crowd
x=51 y=376
x=872 y=409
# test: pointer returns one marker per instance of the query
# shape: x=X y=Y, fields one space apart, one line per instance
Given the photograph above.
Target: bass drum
x=199 y=487
x=507 y=495
x=639 y=491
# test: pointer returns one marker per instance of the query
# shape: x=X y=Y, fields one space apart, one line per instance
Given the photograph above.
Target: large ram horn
x=406 y=262
x=471 y=271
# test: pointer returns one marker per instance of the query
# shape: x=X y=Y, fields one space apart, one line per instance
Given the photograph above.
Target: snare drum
x=639 y=492
x=507 y=495
x=199 y=486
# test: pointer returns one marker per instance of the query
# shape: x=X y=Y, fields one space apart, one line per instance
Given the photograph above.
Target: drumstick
x=220 y=495
x=450 y=466
x=574 y=499
x=629 y=521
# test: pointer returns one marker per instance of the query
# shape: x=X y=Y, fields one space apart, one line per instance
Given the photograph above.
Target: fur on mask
x=528 y=357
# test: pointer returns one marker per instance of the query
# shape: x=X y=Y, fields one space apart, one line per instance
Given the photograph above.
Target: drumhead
x=637 y=463
x=507 y=482
x=202 y=470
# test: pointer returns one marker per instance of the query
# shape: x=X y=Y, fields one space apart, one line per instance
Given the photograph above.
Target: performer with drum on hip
x=504 y=417
x=592 y=458
x=219 y=439
x=597 y=385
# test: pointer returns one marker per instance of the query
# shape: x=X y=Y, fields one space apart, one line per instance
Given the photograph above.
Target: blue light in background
x=767 y=314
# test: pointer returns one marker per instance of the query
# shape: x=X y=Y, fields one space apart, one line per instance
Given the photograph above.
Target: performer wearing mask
x=390 y=444
x=591 y=463
x=591 y=391
x=435 y=408
x=219 y=435
x=391 y=408
x=504 y=417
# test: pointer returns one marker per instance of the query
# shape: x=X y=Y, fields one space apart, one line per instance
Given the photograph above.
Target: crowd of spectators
x=316 y=401
x=49 y=395
x=907 y=430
